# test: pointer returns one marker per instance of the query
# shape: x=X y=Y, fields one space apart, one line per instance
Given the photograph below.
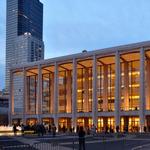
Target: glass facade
x=30 y=18
x=84 y=90
x=62 y=92
x=31 y=94
x=46 y=93
x=24 y=33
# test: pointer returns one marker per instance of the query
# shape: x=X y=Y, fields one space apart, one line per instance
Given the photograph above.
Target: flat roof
x=104 y=51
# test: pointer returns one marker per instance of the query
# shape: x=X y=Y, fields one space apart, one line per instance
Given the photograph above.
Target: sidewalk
x=38 y=145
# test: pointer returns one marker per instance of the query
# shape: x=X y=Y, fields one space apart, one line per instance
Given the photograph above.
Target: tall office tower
x=24 y=33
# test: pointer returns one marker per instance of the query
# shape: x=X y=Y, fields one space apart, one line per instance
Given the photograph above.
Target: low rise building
x=107 y=87
x=4 y=100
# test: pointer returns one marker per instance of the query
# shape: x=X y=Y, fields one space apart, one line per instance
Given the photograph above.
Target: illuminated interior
x=48 y=121
x=64 y=123
x=106 y=83
x=130 y=81
x=50 y=96
x=147 y=78
x=31 y=80
x=131 y=124
x=65 y=88
x=85 y=122
x=31 y=121
x=84 y=86
x=47 y=89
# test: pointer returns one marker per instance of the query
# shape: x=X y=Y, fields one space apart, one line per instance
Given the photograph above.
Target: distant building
x=4 y=108
x=107 y=87
x=24 y=33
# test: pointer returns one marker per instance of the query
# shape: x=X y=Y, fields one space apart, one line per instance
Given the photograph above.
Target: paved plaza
x=70 y=142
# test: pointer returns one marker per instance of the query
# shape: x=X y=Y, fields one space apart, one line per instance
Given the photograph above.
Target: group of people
x=39 y=128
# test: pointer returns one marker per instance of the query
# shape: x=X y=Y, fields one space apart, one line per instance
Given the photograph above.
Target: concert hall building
x=105 y=87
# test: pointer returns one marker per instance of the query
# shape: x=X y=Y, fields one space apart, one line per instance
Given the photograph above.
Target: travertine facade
x=107 y=87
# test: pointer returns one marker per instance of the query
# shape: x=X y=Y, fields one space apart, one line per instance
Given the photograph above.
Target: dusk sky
x=71 y=26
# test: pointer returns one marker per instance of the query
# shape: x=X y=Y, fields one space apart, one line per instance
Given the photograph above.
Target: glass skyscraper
x=24 y=33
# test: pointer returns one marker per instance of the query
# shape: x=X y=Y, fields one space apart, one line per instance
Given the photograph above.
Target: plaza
x=107 y=87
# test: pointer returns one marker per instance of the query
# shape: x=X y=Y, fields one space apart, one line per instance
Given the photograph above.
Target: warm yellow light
x=134 y=97
x=134 y=73
x=111 y=97
x=79 y=91
x=134 y=85
x=112 y=87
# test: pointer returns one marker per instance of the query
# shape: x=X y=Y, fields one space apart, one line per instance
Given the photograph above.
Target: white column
x=105 y=89
x=94 y=92
x=74 y=93
x=117 y=89
x=39 y=94
x=86 y=90
x=142 y=89
x=56 y=95
x=126 y=86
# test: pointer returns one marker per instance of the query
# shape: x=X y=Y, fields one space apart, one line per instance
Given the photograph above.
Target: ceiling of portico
x=67 y=66
x=48 y=69
x=106 y=60
x=148 y=54
x=31 y=72
x=131 y=56
x=85 y=63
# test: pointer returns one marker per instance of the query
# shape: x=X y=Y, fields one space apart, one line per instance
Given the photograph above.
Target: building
x=107 y=87
x=24 y=33
x=4 y=108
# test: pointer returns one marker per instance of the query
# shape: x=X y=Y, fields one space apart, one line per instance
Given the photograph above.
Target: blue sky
x=71 y=26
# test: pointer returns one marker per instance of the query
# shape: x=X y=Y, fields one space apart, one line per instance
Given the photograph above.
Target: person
x=22 y=129
x=77 y=128
x=106 y=129
x=93 y=129
x=54 y=130
x=117 y=129
x=15 y=129
x=42 y=129
x=81 y=135
x=64 y=129
x=38 y=129
x=49 y=128
x=88 y=130
x=145 y=129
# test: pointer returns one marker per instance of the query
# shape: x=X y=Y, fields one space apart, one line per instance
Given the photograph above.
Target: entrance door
x=134 y=124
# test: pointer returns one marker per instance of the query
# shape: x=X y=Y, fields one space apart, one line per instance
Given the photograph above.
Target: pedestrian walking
x=15 y=129
x=49 y=128
x=54 y=130
x=81 y=135
x=22 y=129
x=42 y=129
x=93 y=130
x=117 y=129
